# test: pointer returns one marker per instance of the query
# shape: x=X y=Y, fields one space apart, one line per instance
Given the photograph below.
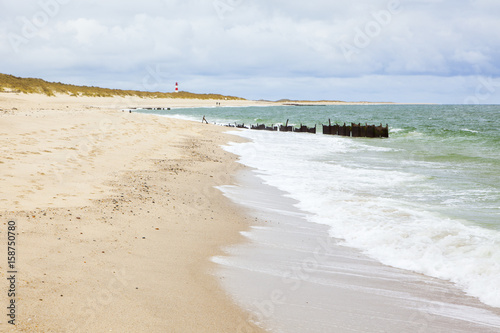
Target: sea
x=422 y=206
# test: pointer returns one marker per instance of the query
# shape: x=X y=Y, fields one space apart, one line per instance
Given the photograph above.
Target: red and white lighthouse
x=176 y=87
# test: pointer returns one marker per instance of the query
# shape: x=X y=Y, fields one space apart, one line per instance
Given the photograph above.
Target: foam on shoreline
x=294 y=277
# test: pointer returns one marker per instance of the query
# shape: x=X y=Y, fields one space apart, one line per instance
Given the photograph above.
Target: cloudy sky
x=438 y=51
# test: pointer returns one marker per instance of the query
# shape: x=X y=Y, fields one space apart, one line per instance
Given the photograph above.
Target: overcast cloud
x=378 y=50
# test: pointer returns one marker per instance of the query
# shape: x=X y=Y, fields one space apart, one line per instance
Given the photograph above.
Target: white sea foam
x=384 y=211
x=181 y=116
x=469 y=130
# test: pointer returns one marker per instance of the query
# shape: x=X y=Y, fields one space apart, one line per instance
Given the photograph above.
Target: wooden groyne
x=357 y=130
x=149 y=109
x=305 y=129
x=286 y=128
x=352 y=130
x=263 y=127
x=302 y=128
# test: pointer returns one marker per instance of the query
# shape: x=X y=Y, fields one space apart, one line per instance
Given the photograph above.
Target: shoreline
x=10 y=101
x=117 y=218
x=294 y=277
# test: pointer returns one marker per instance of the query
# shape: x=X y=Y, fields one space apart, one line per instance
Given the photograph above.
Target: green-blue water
x=425 y=199
x=456 y=144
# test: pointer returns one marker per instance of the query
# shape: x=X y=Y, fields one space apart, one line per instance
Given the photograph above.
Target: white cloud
x=236 y=44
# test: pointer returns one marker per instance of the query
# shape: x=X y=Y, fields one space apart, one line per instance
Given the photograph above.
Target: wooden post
x=370 y=131
x=385 y=131
x=355 y=130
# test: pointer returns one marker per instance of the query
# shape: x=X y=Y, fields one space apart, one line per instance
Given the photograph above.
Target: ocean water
x=427 y=199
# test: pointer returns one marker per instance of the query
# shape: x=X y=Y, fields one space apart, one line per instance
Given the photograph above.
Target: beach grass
x=10 y=83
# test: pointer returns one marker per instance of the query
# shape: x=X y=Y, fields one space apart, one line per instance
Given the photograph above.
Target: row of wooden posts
x=357 y=130
x=353 y=130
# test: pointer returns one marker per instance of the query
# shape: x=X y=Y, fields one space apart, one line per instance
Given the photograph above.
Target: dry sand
x=116 y=216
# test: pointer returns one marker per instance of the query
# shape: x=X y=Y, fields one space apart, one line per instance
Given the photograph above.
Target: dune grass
x=10 y=83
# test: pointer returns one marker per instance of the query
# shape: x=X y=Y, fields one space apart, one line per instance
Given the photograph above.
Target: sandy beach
x=119 y=228
x=116 y=216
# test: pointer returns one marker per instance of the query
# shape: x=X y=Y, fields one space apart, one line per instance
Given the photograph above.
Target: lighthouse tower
x=176 y=87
